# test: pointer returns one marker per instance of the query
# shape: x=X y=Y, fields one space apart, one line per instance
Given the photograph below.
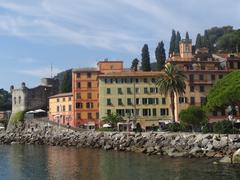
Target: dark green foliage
x=193 y=116
x=175 y=127
x=172 y=42
x=17 y=117
x=178 y=39
x=145 y=58
x=187 y=36
x=66 y=83
x=112 y=119
x=229 y=42
x=223 y=127
x=160 y=56
x=105 y=129
x=134 y=66
x=5 y=100
x=225 y=92
x=198 y=42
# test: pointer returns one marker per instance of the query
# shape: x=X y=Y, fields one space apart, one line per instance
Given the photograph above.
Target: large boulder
x=236 y=156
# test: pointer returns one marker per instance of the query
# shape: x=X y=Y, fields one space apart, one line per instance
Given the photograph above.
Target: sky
x=77 y=33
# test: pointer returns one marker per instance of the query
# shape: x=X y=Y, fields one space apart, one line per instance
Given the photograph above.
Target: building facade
x=134 y=96
x=61 y=109
x=202 y=70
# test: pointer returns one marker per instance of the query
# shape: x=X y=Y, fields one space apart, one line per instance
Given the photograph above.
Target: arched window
x=19 y=99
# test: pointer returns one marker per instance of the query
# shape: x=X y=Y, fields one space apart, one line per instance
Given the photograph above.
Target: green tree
x=160 y=56
x=66 y=84
x=178 y=39
x=5 y=100
x=112 y=119
x=198 y=42
x=172 y=82
x=145 y=58
x=193 y=116
x=226 y=92
x=134 y=66
x=172 y=42
x=229 y=42
x=187 y=36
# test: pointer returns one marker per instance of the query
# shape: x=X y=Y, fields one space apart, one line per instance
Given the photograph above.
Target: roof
x=61 y=95
x=132 y=74
x=87 y=69
x=107 y=61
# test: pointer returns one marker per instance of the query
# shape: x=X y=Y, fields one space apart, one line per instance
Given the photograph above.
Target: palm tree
x=172 y=82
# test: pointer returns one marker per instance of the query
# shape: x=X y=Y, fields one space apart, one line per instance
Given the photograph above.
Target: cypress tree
x=172 y=42
x=134 y=66
x=206 y=41
x=160 y=56
x=178 y=39
x=198 y=41
x=187 y=36
x=145 y=58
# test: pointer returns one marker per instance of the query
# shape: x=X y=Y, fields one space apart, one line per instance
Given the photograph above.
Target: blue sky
x=77 y=33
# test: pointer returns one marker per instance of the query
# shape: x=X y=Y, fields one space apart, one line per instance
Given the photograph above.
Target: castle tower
x=185 y=47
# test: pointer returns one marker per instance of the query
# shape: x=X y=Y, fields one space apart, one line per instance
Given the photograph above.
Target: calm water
x=43 y=162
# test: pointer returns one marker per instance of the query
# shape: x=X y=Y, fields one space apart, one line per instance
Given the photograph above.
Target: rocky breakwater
x=161 y=143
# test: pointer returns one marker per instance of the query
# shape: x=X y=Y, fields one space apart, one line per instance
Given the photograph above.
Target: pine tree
x=160 y=56
x=172 y=42
x=198 y=41
x=134 y=66
x=145 y=58
x=178 y=39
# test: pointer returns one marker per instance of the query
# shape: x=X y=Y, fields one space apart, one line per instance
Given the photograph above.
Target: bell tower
x=185 y=47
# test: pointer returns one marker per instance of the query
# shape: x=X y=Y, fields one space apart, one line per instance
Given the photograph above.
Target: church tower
x=185 y=47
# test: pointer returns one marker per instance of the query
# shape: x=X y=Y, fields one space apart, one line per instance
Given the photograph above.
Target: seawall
x=151 y=143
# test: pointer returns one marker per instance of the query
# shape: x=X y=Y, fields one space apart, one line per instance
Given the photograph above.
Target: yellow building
x=60 y=109
x=133 y=95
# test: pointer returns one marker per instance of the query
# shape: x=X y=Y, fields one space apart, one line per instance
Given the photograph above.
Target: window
x=154 y=112
x=202 y=100
x=145 y=90
x=89 y=115
x=231 y=65
x=137 y=90
x=78 y=116
x=164 y=111
x=78 y=96
x=203 y=67
x=89 y=95
x=57 y=99
x=78 y=85
x=144 y=100
x=19 y=99
x=79 y=105
x=163 y=100
x=64 y=108
x=201 y=77
x=137 y=80
x=191 y=77
x=146 y=112
x=109 y=103
x=220 y=76
x=153 y=80
x=69 y=99
x=137 y=101
x=129 y=91
x=157 y=101
x=97 y=115
x=15 y=100
x=69 y=107
x=109 y=111
x=89 y=75
x=120 y=103
x=202 y=88
x=129 y=101
x=213 y=77
x=89 y=85
x=120 y=91
x=145 y=80
x=78 y=75
x=120 y=112
x=191 y=88
x=152 y=90
x=192 y=100
x=64 y=99
x=108 y=91
x=58 y=108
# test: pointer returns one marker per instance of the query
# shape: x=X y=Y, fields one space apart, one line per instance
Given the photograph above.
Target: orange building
x=60 y=109
x=86 y=92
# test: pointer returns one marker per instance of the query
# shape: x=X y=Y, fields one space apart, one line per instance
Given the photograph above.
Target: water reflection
x=44 y=162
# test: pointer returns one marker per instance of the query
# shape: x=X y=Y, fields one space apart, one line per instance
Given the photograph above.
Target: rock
x=150 y=150
x=236 y=157
x=195 y=150
x=107 y=147
x=226 y=159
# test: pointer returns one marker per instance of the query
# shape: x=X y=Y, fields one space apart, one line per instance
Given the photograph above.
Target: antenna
x=51 y=71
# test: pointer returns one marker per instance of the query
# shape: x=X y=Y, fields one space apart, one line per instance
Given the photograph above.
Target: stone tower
x=185 y=47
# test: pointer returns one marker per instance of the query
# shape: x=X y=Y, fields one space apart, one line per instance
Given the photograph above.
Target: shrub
x=18 y=117
x=105 y=129
x=223 y=127
x=174 y=127
x=193 y=116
